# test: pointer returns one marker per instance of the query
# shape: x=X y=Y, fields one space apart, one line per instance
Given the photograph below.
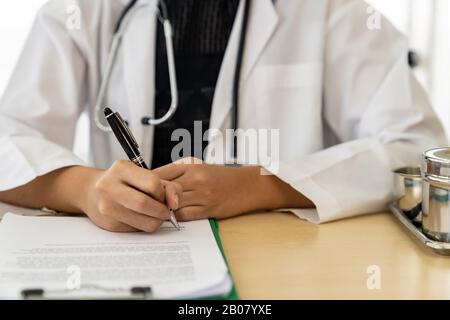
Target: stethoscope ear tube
x=115 y=45
x=172 y=78
x=237 y=78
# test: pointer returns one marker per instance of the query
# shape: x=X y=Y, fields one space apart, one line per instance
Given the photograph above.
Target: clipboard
x=135 y=293
x=233 y=293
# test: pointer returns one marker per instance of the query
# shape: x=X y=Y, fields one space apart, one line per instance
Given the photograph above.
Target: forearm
x=268 y=192
x=63 y=190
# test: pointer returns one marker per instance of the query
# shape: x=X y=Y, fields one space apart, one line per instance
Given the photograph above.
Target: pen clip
x=125 y=127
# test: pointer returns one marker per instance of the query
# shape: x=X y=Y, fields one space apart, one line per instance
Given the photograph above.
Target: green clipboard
x=233 y=294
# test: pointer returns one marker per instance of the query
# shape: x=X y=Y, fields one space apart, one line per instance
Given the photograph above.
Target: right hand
x=127 y=198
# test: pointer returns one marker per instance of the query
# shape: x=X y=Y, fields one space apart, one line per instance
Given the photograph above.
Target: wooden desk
x=278 y=256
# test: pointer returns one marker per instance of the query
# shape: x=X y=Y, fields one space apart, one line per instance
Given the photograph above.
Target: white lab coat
x=346 y=104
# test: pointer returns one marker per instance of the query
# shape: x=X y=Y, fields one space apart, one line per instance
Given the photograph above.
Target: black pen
x=130 y=146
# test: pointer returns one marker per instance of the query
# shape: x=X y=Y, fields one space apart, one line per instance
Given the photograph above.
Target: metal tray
x=441 y=248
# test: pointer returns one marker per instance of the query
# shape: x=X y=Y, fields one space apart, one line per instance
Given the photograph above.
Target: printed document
x=71 y=254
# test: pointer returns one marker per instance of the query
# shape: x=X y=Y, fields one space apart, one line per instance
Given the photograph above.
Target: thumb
x=174 y=192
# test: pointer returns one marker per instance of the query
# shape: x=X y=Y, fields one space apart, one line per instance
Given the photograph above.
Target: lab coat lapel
x=262 y=23
x=139 y=58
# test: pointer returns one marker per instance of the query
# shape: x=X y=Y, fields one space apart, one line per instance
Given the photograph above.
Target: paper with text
x=67 y=253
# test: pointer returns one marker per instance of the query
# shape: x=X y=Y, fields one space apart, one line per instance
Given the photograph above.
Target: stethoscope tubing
x=114 y=49
x=168 y=33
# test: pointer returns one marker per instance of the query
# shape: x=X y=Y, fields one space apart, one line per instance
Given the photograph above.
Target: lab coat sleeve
x=378 y=113
x=41 y=105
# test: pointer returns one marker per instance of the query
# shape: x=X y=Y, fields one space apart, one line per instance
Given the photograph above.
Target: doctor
x=346 y=105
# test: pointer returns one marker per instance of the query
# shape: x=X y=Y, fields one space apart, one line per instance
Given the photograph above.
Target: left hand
x=211 y=191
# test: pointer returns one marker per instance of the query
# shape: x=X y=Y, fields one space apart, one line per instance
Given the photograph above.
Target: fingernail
x=177 y=201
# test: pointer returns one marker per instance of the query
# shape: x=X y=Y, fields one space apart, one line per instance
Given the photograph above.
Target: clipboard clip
x=89 y=292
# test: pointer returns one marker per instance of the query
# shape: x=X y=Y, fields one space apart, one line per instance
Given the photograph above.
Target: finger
x=141 y=179
x=123 y=228
x=190 y=199
x=170 y=172
x=174 y=193
x=191 y=213
x=112 y=225
x=186 y=182
x=135 y=220
x=189 y=160
x=139 y=202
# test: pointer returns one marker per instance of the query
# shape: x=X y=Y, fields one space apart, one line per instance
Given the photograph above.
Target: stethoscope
x=162 y=15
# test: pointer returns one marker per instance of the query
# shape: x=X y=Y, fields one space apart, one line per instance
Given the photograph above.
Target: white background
x=16 y=18
x=425 y=21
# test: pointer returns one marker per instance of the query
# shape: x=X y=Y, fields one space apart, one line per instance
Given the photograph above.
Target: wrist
x=86 y=180
x=257 y=195
x=71 y=188
x=268 y=192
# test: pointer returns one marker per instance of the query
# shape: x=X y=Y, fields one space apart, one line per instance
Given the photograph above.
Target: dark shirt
x=201 y=32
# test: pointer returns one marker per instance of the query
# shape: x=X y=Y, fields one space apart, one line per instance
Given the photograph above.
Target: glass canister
x=436 y=194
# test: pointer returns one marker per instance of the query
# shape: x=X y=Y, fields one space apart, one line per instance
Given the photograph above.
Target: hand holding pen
x=131 y=148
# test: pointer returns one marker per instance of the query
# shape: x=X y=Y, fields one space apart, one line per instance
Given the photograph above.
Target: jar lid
x=437 y=163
